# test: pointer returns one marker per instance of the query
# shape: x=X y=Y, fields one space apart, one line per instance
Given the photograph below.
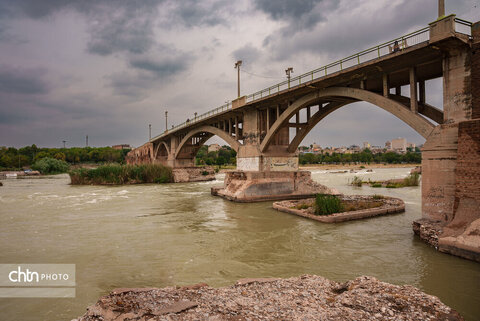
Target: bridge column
x=450 y=158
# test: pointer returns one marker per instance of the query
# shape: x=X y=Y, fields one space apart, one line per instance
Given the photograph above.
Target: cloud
x=16 y=80
x=248 y=54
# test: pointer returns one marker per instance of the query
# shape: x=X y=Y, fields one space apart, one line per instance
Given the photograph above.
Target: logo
x=37 y=280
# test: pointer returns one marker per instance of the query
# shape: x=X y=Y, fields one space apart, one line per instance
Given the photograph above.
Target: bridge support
x=451 y=154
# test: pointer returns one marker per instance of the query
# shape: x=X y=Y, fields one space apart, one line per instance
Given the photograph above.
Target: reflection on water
x=177 y=234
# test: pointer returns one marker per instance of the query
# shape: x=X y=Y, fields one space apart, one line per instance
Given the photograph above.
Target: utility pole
x=64 y=141
x=86 y=141
x=166 y=120
x=288 y=71
x=441 y=8
x=237 y=66
x=149 y=131
x=195 y=113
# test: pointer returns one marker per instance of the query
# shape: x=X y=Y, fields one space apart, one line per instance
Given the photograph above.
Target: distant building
x=316 y=148
x=411 y=145
x=388 y=145
x=366 y=145
x=399 y=145
x=214 y=148
x=122 y=146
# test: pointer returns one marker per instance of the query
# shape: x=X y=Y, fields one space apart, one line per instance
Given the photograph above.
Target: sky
x=109 y=68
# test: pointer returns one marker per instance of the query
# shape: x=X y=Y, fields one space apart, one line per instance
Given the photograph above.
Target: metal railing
x=386 y=48
x=463 y=26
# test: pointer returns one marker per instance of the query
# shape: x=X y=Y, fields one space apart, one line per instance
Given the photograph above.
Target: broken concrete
x=244 y=186
x=308 y=297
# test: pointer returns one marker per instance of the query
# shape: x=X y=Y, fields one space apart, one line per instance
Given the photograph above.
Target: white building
x=399 y=144
x=214 y=148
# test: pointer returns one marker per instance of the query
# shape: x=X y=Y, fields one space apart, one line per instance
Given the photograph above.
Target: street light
x=237 y=66
x=288 y=71
x=166 y=120
x=149 y=131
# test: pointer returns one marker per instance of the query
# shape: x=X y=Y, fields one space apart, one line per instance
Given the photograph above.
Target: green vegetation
x=356 y=181
x=378 y=197
x=412 y=180
x=224 y=156
x=14 y=159
x=115 y=174
x=327 y=204
x=376 y=185
x=49 y=165
x=365 y=156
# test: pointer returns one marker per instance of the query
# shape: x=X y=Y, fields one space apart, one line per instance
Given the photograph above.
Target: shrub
x=357 y=181
x=327 y=204
x=49 y=165
x=114 y=174
x=378 y=197
x=204 y=173
x=376 y=185
x=412 y=180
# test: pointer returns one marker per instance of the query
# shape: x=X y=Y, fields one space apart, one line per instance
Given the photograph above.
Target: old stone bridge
x=258 y=126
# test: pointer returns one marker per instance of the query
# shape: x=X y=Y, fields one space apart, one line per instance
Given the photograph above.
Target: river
x=178 y=234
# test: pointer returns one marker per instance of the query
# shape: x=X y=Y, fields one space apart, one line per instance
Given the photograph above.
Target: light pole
x=64 y=141
x=86 y=141
x=288 y=71
x=166 y=120
x=441 y=8
x=149 y=131
x=195 y=114
x=237 y=66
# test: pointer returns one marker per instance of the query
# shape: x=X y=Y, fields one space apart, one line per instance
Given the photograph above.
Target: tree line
x=365 y=156
x=12 y=158
x=225 y=156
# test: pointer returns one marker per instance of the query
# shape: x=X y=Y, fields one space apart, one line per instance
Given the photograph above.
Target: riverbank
x=354 y=166
x=308 y=297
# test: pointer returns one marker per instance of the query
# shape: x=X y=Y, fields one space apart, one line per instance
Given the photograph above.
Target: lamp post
x=166 y=120
x=441 y=8
x=288 y=71
x=195 y=114
x=237 y=66
x=149 y=131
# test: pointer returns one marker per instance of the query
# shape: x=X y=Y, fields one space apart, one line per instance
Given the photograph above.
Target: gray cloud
x=15 y=80
x=248 y=53
x=348 y=32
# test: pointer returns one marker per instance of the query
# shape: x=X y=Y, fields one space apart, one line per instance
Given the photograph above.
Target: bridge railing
x=386 y=48
x=381 y=50
x=463 y=26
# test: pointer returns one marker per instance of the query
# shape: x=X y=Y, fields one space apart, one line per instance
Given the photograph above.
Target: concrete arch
x=417 y=122
x=211 y=130
x=158 y=148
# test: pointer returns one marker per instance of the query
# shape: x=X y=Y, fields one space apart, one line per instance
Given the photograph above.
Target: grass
x=327 y=204
x=412 y=180
x=114 y=174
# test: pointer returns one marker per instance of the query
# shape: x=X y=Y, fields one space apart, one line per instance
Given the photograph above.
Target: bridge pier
x=451 y=154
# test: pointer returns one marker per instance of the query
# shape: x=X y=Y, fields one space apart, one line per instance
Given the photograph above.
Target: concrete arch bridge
x=258 y=126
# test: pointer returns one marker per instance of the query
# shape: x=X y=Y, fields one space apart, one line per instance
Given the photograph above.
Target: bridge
x=257 y=126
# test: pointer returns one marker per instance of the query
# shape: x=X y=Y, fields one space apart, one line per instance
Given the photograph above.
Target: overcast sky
x=108 y=68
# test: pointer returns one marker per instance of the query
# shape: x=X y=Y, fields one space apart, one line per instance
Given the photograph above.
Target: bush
x=114 y=174
x=378 y=197
x=412 y=180
x=376 y=185
x=327 y=204
x=49 y=165
x=204 y=173
x=357 y=181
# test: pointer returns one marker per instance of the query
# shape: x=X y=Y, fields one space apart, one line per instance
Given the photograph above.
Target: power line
x=261 y=76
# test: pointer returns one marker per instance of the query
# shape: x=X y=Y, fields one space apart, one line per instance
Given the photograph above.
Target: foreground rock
x=307 y=297
x=193 y=174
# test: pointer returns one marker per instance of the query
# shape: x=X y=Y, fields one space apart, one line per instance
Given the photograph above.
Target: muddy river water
x=178 y=234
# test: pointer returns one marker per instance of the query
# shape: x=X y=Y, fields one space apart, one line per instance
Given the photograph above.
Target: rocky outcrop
x=193 y=174
x=308 y=297
x=254 y=186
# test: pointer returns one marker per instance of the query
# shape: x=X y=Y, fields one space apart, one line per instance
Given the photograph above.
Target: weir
x=258 y=126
